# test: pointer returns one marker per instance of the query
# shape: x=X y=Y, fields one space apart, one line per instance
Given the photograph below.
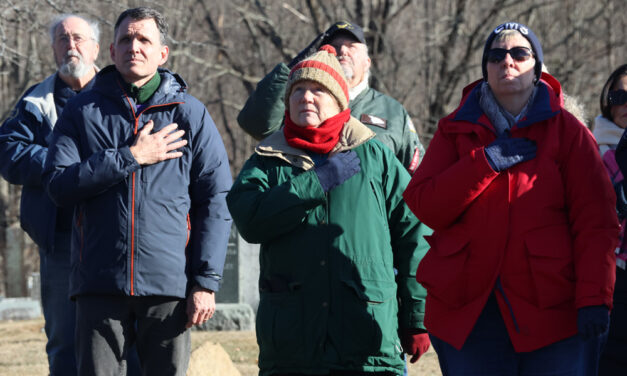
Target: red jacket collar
x=547 y=103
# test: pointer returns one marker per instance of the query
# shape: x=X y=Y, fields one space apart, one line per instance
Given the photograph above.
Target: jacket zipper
x=499 y=285
x=133 y=218
x=136 y=117
x=189 y=230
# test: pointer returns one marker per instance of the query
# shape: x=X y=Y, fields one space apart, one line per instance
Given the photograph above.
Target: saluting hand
x=311 y=49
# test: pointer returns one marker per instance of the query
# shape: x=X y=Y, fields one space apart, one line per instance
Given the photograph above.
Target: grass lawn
x=22 y=350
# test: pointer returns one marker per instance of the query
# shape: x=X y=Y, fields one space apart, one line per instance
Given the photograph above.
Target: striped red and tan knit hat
x=323 y=68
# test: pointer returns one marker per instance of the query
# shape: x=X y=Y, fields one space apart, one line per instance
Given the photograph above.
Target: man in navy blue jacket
x=23 y=149
x=146 y=168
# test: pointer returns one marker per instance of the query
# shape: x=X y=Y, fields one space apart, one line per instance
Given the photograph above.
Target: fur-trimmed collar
x=352 y=135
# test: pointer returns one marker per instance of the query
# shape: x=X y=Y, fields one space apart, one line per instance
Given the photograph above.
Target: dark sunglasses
x=496 y=55
x=617 y=97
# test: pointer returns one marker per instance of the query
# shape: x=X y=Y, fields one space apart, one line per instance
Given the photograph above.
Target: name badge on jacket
x=374 y=120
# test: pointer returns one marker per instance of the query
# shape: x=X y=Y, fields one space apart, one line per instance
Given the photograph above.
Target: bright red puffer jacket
x=545 y=230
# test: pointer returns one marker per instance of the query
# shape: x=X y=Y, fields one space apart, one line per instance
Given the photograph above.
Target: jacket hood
x=353 y=134
x=607 y=133
x=42 y=97
x=547 y=103
x=109 y=82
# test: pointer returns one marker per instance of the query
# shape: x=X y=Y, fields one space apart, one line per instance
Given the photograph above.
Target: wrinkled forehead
x=307 y=84
x=73 y=25
x=134 y=27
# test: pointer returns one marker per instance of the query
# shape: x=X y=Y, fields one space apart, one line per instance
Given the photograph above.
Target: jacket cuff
x=412 y=316
x=308 y=187
x=591 y=294
x=130 y=161
x=210 y=283
x=281 y=71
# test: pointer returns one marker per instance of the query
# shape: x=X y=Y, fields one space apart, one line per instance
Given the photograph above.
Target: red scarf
x=319 y=139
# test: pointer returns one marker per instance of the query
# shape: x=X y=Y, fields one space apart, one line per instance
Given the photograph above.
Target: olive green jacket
x=263 y=114
x=330 y=298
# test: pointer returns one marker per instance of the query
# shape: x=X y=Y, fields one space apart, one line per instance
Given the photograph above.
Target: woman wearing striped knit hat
x=324 y=199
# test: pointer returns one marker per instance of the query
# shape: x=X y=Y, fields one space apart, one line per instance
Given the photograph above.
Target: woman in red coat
x=521 y=268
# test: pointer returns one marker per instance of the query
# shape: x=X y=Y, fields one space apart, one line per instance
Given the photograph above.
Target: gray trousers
x=107 y=326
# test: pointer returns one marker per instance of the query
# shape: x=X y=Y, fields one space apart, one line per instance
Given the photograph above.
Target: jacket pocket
x=370 y=318
x=442 y=270
x=378 y=198
x=279 y=326
x=551 y=263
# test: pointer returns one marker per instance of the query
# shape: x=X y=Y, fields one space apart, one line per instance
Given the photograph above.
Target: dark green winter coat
x=263 y=113
x=329 y=295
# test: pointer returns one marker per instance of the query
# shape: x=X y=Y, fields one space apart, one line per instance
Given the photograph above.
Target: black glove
x=309 y=50
x=337 y=169
x=621 y=154
x=593 y=321
x=506 y=152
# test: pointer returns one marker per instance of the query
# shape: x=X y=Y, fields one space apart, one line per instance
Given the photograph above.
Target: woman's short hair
x=506 y=34
x=610 y=84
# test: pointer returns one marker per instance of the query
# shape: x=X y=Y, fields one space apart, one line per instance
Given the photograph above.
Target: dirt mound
x=211 y=359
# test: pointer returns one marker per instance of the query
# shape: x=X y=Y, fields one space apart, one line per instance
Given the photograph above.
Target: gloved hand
x=506 y=152
x=310 y=49
x=621 y=154
x=415 y=342
x=593 y=321
x=337 y=169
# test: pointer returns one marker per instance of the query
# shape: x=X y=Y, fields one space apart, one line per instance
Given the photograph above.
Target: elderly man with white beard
x=23 y=148
x=263 y=112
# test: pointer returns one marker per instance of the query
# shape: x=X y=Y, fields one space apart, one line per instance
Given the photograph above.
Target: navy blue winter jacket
x=140 y=230
x=23 y=147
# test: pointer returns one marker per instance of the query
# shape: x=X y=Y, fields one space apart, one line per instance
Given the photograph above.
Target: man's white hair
x=93 y=25
x=367 y=74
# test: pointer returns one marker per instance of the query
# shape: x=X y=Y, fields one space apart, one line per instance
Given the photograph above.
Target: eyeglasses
x=78 y=39
x=520 y=54
x=617 y=97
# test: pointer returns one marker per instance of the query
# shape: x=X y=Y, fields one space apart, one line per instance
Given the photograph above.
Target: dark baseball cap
x=345 y=27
